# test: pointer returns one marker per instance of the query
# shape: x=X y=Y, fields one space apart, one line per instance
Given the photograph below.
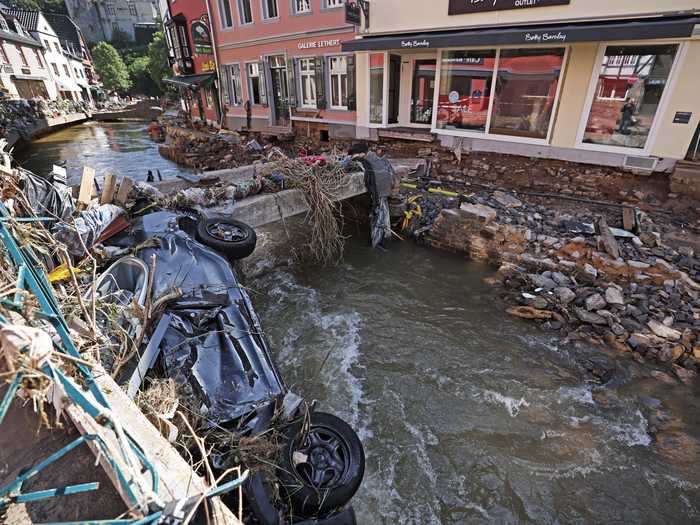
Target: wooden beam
x=109 y=187
x=124 y=189
x=87 y=183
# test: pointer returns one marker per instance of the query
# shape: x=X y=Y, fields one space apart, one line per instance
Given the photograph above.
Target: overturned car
x=207 y=337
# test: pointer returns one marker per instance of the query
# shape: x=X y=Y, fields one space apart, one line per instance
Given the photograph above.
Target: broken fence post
x=124 y=190
x=108 y=189
x=87 y=183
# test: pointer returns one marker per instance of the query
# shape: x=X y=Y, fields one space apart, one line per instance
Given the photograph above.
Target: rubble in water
x=556 y=267
x=22 y=116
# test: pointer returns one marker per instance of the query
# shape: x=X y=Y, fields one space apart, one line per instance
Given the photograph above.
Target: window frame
x=3 y=54
x=231 y=86
x=22 y=56
x=239 y=4
x=385 y=90
x=329 y=83
x=487 y=135
x=222 y=13
x=264 y=9
x=660 y=111
x=249 y=83
x=54 y=67
x=326 y=4
x=297 y=11
x=301 y=73
x=39 y=59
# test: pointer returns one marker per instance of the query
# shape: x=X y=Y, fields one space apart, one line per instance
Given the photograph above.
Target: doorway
x=423 y=91
x=394 y=88
x=280 y=90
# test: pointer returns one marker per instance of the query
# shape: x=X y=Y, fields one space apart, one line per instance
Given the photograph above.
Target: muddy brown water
x=467 y=415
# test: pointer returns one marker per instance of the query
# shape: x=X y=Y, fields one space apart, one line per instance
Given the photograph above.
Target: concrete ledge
x=46 y=126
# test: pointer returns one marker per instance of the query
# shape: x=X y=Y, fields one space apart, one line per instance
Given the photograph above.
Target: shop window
x=302 y=6
x=270 y=9
x=39 y=61
x=226 y=16
x=245 y=12
x=339 y=82
x=526 y=90
x=376 y=88
x=22 y=56
x=256 y=84
x=631 y=82
x=307 y=79
x=232 y=84
x=465 y=89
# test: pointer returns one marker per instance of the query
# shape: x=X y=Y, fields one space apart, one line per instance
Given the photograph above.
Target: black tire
x=331 y=478
x=240 y=246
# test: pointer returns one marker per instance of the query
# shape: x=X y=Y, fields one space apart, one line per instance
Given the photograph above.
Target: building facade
x=57 y=61
x=594 y=81
x=191 y=55
x=99 y=21
x=281 y=65
x=23 y=69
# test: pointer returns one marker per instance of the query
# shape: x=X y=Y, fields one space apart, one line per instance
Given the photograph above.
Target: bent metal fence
x=124 y=460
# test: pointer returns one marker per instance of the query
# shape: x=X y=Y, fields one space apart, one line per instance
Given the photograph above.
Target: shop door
x=394 y=88
x=280 y=90
x=423 y=90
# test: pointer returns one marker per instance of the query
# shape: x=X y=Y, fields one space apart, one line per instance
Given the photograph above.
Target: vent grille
x=641 y=163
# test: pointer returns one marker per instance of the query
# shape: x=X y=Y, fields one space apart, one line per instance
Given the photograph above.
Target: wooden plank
x=109 y=188
x=629 y=219
x=124 y=189
x=177 y=479
x=87 y=183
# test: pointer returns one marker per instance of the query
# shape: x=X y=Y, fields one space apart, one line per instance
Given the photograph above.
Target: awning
x=67 y=86
x=636 y=29
x=192 y=82
x=29 y=77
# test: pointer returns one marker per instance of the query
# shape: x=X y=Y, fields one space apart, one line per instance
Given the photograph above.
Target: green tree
x=142 y=83
x=158 y=65
x=110 y=67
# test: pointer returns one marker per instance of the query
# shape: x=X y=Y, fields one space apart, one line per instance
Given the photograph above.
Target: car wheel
x=322 y=469
x=228 y=236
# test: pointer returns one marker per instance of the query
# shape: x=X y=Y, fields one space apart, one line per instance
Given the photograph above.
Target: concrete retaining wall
x=44 y=127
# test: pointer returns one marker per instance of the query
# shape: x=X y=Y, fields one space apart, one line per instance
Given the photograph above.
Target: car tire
x=236 y=238
x=321 y=470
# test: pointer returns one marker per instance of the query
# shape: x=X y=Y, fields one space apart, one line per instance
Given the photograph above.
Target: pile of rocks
x=574 y=273
x=22 y=116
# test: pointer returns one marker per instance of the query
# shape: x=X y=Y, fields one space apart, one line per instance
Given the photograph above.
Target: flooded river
x=467 y=415
x=122 y=148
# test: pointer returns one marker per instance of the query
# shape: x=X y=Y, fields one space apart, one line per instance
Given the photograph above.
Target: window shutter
x=320 y=79
x=224 y=85
x=292 y=82
x=264 y=87
x=352 y=92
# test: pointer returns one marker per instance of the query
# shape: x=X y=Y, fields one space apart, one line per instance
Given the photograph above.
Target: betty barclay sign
x=460 y=7
x=318 y=44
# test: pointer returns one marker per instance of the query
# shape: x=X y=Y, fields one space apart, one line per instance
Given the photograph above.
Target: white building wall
x=36 y=67
x=53 y=52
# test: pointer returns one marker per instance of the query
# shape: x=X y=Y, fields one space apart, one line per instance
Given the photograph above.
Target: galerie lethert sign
x=460 y=7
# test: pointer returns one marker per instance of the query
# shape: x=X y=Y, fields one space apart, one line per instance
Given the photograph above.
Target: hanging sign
x=460 y=7
x=201 y=36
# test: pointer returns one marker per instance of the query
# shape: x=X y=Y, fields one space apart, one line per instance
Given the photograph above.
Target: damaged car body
x=209 y=340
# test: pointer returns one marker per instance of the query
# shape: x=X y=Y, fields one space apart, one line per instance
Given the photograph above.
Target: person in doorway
x=627 y=113
x=379 y=177
x=248 y=107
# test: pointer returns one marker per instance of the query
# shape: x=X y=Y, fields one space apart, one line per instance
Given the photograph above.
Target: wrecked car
x=207 y=337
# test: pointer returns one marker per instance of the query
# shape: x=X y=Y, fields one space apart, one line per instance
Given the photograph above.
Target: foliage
x=110 y=67
x=159 y=66
x=120 y=39
x=142 y=83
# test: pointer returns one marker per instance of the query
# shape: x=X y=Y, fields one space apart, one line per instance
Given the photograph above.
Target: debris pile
x=203 y=150
x=22 y=116
x=566 y=265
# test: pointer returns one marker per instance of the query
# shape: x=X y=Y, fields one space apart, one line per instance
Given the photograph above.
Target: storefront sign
x=474 y=61
x=415 y=44
x=682 y=117
x=460 y=7
x=201 y=36
x=208 y=66
x=536 y=37
x=319 y=44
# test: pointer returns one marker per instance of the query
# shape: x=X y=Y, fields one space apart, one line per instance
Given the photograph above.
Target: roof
x=12 y=35
x=28 y=19
x=65 y=28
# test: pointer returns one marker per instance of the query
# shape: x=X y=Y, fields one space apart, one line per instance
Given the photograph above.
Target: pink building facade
x=281 y=65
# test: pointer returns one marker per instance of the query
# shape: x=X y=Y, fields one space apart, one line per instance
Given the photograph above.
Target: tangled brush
x=320 y=184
